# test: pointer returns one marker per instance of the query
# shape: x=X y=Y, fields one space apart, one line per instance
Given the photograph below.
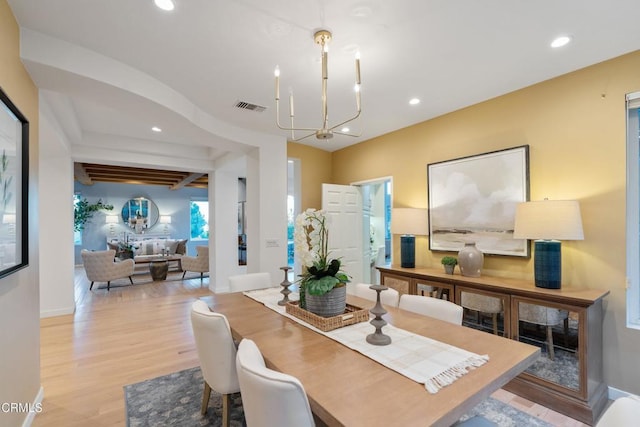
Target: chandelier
x=321 y=37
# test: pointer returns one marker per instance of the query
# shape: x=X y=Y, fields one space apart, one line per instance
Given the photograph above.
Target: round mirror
x=140 y=214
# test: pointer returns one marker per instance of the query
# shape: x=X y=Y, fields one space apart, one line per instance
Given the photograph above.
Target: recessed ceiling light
x=345 y=129
x=156 y=129
x=414 y=101
x=362 y=11
x=165 y=4
x=560 y=41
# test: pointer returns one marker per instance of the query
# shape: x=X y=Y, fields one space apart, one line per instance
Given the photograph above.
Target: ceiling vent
x=249 y=106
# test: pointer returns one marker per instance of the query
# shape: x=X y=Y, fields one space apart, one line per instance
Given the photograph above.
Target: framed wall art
x=473 y=200
x=14 y=183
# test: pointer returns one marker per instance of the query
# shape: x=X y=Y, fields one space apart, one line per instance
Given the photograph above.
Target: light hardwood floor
x=130 y=334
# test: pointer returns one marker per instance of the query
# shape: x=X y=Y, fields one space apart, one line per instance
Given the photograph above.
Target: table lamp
x=409 y=222
x=548 y=222
x=111 y=220
x=166 y=220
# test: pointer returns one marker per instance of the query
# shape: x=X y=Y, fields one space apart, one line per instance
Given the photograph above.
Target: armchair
x=547 y=317
x=198 y=263
x=101 y=267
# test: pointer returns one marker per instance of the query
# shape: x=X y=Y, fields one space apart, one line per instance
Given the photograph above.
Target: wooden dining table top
x=346 y=388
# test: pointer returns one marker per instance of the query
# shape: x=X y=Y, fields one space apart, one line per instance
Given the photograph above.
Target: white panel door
x=343 y=204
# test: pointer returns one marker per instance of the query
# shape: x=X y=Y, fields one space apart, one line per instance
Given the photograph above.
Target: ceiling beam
x=81 y=174
x=187 y=180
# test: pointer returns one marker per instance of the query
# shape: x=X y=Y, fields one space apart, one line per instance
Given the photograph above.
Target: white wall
x=266 y=212
x=56 y=208
x=19 y=292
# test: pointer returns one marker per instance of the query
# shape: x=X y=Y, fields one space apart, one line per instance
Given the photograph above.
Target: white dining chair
x=623 y=412
x=389 y=297
x=217 y=354
x=432 y=307
x=269 y=398
x=251 y=281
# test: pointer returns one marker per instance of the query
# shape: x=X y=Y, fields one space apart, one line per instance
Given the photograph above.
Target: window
x=633 y=210
x=199 y=220
x=77 y=235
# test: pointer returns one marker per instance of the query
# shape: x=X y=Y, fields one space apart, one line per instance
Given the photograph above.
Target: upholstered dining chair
x=432 y=307
x=389 y=297
x=101 y=267
x=217 y=354
x=198 y=263
x=483 y=304
x=547 y=317
x=249 y=282
x=623 y=412
x=269 y=398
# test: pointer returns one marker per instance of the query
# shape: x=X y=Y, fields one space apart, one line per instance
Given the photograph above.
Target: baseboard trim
x=37 y=403
x=615 y=393
x=57 y=312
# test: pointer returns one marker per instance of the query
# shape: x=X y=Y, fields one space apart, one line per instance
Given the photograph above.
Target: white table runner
x=418 y=358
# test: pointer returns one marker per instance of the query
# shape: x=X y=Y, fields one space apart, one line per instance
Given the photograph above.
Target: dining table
x=347 y=388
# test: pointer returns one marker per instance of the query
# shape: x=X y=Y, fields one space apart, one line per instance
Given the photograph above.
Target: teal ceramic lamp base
x=407 y=251
x=547 y=264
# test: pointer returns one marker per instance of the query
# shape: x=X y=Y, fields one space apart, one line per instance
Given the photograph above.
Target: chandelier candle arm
x=321 y=37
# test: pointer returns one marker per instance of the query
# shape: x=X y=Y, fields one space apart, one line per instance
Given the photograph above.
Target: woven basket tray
x=352 y=315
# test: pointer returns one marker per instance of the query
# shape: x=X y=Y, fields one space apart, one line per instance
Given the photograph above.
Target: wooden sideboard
x=569 y=379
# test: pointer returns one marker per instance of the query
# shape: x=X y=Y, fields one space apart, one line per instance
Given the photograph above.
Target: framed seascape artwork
x=473 y=200
x=14 y=177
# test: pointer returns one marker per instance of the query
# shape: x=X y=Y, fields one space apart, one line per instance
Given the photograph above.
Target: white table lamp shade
x=411 y=221
x=548 y=220
x=111 y=219
x=9 y=218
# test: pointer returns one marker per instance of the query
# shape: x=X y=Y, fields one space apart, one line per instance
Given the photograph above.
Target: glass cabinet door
x=555 y=330
x=484 y=310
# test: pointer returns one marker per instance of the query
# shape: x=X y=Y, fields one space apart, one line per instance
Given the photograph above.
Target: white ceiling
x=213 y=53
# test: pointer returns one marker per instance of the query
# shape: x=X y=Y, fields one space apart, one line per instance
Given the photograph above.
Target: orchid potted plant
x=321 y=274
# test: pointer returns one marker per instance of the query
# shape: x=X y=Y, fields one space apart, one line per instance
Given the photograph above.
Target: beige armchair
x=198 y=263
x=547 y=317
x=482 y=304
x=100 y=267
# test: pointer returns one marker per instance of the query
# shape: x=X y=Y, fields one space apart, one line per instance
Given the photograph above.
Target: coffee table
x=168 y=258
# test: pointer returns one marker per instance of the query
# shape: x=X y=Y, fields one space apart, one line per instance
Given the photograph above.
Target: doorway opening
x=376 y=223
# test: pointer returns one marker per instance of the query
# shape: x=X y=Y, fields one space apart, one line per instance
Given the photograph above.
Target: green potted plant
x=83 y=212
x=323 y=288
x=449 y=263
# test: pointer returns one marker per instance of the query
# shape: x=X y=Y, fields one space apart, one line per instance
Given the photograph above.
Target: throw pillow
x=182 y=247
x=172 y=245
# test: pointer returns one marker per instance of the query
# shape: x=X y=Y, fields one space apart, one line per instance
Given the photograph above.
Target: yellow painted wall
x=19 y=292
x=315 y=169
x=575 y=128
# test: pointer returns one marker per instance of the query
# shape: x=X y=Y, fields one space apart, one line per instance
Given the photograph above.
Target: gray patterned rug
x=174 y=400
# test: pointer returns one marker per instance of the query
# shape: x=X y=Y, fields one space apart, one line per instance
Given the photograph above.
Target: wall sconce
x=10 y=219
x=111 y=220
x=409 y=222
x=548 y=221
x=166 y=220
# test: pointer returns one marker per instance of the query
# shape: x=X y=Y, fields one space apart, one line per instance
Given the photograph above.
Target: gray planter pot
x=330 y=304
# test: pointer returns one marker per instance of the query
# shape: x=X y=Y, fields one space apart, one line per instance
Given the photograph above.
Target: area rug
x=174 y=400
x=143 y=278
